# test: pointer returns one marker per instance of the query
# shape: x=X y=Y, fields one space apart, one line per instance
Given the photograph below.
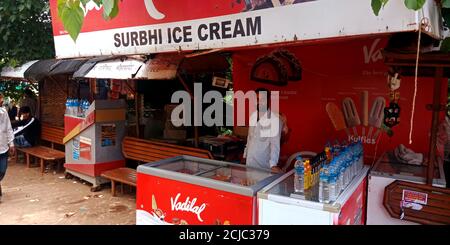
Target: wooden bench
x=146 y=151
x=53 y=135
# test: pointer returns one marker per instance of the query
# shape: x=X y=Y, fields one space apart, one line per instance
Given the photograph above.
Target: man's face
x=262 y=100
x=26 y=116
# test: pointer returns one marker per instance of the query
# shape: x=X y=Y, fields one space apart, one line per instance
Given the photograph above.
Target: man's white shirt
x=263 y=141
x=6 y=132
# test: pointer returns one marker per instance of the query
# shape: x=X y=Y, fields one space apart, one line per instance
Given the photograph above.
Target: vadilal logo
x=187 y=206
x=374 y=54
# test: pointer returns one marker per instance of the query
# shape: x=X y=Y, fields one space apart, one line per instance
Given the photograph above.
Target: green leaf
x=61 y=5
x=108 y=6
x=376 y=6
x=72 y=17
x=445 y=3
x=84 y=2
x=98 y=2
x=414 y=4
x=445 y=46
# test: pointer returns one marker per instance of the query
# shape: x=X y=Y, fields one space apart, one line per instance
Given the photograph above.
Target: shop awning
x=161 y=67
x=66 y=66
x=16 y=72
x=88 y=65
x=40 y=69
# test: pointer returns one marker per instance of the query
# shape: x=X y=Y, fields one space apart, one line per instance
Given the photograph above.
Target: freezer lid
x=206 y=171
x=282 y=190
x=387 y=166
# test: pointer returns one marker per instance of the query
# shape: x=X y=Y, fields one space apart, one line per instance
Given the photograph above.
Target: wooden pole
x=434 y=123
x=136 y=107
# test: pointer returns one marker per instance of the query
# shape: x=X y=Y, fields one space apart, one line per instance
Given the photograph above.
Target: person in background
x=12 y=111
x=29 y=100
x=263 y=149
x=26 y=130
x=6 y=141
x=443 y=145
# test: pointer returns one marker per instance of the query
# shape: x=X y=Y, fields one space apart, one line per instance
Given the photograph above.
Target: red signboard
x=152 y=26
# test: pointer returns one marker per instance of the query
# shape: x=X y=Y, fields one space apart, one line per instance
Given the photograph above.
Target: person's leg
x=21 y=142
x=3 y=166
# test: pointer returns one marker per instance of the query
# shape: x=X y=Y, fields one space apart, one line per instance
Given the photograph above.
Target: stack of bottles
x=332 y=170
x=77 y=108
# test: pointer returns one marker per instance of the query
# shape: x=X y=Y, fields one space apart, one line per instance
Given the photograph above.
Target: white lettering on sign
x=188 y=206
x=374 y=54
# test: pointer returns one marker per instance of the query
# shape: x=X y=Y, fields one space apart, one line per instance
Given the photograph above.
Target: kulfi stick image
x=154 y=205
x=336 y=117
x=351 y=114
x=365 y=111
x=376 y=115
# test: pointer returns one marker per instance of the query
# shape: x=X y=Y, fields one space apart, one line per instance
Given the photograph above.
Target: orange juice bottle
x=307 y=175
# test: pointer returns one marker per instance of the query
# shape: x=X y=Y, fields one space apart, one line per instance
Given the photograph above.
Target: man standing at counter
x=264 y=135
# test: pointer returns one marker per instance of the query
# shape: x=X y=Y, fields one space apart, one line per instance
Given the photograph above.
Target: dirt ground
x=51 y=199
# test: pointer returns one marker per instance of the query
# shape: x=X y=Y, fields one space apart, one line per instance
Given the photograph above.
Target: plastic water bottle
x=299 y=176
x=332 y=186
x=67 y=107
x=340 y=178
x=324 y=193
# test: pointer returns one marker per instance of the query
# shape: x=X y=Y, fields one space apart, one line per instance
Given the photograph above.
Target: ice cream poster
x=345 y=92
x=85 y=148
x=108 y=135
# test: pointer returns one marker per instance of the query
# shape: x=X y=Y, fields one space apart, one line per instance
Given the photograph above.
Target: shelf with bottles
x=77 y=108
x=328 y=174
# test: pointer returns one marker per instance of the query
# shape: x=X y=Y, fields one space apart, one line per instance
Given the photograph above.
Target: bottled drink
x=324 y=194
x=307 y=178
x=341 y=178
x=332 y=186
x=67 y=106
x=299 y=175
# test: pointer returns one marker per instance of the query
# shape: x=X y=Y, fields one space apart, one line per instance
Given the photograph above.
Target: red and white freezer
x=196 y=191
x=278 y=204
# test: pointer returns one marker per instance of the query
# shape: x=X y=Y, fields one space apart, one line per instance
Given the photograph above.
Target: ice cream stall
x=93 y=143
x=189 y=190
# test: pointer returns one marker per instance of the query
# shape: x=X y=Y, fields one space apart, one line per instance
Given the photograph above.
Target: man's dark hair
x=267 y=92
x=25 y=109
x=262 y=90
x=28 y=92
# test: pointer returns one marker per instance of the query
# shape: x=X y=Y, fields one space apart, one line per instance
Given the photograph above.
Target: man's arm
x=10 y=136
x=249 y=140
x=275 y=148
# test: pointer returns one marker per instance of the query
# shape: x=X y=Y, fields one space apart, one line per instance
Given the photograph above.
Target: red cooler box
x=196 y=191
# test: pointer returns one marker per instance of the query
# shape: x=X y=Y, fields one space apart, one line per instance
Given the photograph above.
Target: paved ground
x=30 y=198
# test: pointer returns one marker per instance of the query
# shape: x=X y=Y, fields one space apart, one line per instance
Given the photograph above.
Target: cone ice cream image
x=154 y=205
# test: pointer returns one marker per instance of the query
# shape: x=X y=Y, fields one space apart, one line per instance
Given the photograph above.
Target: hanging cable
x=425 y=23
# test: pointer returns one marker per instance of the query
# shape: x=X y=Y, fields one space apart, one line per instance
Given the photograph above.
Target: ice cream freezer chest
x=196 y=191
x=278 y=204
